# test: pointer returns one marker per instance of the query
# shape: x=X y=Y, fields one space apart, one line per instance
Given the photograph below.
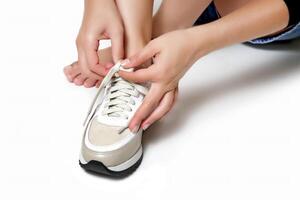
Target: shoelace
x=119 y=96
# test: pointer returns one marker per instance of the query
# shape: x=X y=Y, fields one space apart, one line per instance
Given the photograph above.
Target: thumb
x=143 y=56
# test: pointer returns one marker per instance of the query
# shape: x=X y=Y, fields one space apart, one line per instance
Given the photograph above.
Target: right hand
x=101 y=20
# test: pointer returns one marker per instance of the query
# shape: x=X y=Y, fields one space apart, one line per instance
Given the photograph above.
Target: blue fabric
x=291 y=34
x=211 y=14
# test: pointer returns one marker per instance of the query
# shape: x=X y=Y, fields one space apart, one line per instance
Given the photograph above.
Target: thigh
x=225 y=7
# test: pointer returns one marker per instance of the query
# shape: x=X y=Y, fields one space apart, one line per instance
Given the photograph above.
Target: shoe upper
x=100 y=134
x=107 y=137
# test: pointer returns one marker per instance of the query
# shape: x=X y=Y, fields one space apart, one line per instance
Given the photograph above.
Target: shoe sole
x=99 y=168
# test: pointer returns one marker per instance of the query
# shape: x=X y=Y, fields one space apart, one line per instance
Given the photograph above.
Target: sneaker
x=108 y=146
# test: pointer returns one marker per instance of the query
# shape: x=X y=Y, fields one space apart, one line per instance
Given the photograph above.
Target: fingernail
x=135 y=129
x=125 y=62
x=146 y=126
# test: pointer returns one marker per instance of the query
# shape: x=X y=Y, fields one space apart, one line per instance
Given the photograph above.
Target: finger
x=117 y=44
x=163 y=108
x=96 y=71
x=90 y=82
x=145 y=54
x=92 y=63
x=139 y=76
x=150 y=102
x=100 y=70
x=78 y=80
x=90 y=49
x=87 y=48
x=88 y=59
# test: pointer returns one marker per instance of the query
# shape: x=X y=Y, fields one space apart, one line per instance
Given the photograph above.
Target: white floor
x=234 y=133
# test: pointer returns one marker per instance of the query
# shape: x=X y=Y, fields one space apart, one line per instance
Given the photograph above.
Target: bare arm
x=256 y=19
x=175 y=52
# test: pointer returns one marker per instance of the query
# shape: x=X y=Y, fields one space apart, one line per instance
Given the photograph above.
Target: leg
x=177 y=14
x=226 y=7
x=137 y=19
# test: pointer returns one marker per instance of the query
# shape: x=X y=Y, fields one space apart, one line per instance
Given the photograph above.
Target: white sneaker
x=108 y=146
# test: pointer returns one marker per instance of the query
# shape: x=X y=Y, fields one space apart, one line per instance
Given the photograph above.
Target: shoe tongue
x=118 y=82
x=145 y=86
x=113 y=118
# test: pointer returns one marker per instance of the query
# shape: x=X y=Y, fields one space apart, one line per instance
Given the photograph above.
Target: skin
x=74 y=70
x=129 y=31
x=101 y=20
x=174 y=54
x=137 y=24
x=186 y=13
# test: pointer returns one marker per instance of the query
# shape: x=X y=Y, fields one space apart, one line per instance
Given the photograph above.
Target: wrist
x=203 y=39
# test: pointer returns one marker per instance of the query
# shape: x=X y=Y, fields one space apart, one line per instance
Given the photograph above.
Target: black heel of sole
x=99 y=168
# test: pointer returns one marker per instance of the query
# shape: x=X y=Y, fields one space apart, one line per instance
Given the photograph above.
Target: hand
x=173 y=54
x=101 y=21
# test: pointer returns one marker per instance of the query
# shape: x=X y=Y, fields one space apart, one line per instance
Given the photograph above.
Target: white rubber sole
x=123 y=166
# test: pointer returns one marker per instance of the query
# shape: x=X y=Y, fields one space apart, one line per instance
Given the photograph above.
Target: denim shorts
x=211 y=14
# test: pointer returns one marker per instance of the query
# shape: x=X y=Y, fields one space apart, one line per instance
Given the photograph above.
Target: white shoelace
x=119 y=97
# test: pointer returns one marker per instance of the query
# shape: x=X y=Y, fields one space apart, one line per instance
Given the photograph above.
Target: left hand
x=173 y=55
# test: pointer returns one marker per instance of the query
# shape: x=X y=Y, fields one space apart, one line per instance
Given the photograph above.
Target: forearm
x=256 y=19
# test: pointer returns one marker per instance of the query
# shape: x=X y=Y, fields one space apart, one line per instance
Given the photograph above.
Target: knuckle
x=83 y=41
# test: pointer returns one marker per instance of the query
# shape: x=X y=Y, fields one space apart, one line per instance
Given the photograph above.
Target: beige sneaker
x=108 y=146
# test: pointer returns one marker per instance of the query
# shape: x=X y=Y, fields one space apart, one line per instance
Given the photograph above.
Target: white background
x=234 y=133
